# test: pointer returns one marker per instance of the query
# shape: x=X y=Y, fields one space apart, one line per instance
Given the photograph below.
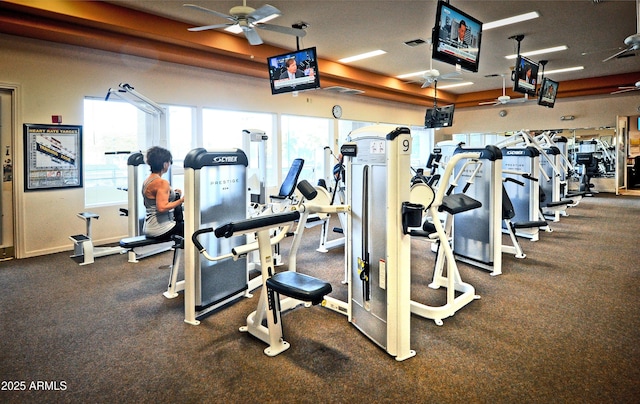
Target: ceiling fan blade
x=283 y=30
x=451 y=76
x=625 y=89
x=426 y=84
x=489 y=103
x=263 y=12
x=206 y=10
x=618 y=54
x=252 y=36
x=206 y=27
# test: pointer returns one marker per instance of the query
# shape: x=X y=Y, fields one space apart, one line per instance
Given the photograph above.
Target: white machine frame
x=83 y=243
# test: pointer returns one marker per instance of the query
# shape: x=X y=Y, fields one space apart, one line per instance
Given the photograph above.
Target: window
x=345 y=127
x=115 y=129
x=421 y=146
x=223 y=130
x=111 y=131
x=306 y=138
x=180 y=124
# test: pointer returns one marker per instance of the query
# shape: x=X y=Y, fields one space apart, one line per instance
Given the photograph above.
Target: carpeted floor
x=562 y=325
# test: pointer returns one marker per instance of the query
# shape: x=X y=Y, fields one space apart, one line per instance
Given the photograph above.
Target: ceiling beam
x=106 y=26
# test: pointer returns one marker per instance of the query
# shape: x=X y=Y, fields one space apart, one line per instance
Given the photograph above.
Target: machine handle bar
x=195 y=235
x=507 y=179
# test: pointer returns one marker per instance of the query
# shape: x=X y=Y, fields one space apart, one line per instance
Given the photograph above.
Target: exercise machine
x=215 y=192
x=525 y=198
x=477 y=233
x=446 y=274
x=265 y=323
x=551 y=202
x=333 y=182
x=508 y=214
x=137 y=245
x=255 y=142
x=377 y=162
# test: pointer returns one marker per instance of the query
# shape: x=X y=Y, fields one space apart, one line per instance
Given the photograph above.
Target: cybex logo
x=514 y=152
x=225 y=159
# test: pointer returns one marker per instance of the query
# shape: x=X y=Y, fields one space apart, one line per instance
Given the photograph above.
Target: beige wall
x=594 y=112
x=53 y=79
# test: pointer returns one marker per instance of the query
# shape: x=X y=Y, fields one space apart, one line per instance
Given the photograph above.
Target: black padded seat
x=529 y=225
x=299 y=286
x=558 y=203
x=141 y=241
x=458 y=203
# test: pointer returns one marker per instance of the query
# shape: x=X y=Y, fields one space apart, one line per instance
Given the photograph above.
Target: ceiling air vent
x=343 y=90
x=415 y=42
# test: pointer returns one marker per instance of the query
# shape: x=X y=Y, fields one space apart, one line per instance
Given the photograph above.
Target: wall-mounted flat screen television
x=439 y=117
x=294 y=71
x=548 y=93
x=456 y=37
x=525 y=76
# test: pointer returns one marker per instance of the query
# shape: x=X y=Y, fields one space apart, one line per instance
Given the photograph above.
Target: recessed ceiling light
x=566 y=69
x=414 y=74
x=510 y=20
x=539 y=51
x=464 y=83
x=362 y=56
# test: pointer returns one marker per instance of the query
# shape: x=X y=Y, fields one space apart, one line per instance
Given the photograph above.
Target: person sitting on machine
x=164 y=205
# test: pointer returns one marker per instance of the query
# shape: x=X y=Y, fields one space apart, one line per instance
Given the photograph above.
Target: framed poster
x=52 y=156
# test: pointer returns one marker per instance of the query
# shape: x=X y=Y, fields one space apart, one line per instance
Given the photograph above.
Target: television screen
x=456 y=37
x=548 y=93
x=525 y=76
x=439 y=117
x=294 y=71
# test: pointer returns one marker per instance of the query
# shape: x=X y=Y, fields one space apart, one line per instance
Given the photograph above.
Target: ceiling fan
x=635 y=87
x=248 y=19
x=433 y=75
x=632 y=41
x=504 y=98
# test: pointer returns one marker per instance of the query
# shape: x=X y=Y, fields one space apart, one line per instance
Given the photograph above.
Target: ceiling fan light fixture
x=234 y=29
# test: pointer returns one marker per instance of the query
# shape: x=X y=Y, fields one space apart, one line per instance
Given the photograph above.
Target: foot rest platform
x=79 y=238
x=299 y=286
x=141 y=241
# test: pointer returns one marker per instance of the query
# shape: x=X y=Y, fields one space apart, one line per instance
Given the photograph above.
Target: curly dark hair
x=156 y=157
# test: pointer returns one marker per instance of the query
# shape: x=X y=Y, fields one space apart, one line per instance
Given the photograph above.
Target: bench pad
x=141 y=241
x=299 y=286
